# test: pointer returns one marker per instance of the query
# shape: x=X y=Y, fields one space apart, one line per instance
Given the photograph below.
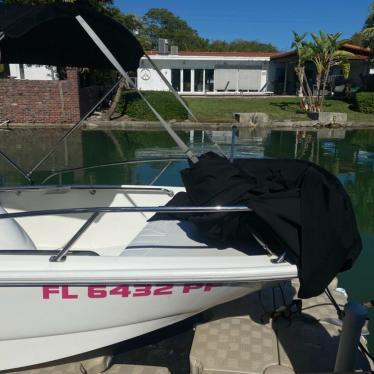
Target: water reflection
x=347 y=154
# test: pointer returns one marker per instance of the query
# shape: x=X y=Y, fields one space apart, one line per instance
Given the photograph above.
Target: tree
x=365 y=38
x=161 y=23
x=370 y=20
x=304 y=54
x=356 y=38
x=240 y=45
x=368 y=38
x=368 y=33
x=327 y=52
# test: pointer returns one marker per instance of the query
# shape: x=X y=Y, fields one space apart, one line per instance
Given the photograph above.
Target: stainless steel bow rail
x=167 y=161
x=96 y=211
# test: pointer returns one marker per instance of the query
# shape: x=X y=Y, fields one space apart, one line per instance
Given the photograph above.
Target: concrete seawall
x=187 y=125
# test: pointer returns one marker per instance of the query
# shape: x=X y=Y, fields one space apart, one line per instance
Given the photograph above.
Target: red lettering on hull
x=124 y=291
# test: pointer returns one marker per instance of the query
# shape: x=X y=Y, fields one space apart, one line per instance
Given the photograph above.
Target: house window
x=176 y=79
x=209 y=80
x=186 y=80
x=199 y=80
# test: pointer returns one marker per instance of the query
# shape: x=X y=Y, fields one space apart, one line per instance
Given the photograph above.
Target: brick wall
x=28 y=101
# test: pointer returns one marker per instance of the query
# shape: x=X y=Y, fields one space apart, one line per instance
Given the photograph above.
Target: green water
x=347 y=154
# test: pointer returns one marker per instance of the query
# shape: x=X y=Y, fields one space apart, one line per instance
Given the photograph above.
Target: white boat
x=122 y=276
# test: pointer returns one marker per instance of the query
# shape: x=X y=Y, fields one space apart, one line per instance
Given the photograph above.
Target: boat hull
x=45 y=323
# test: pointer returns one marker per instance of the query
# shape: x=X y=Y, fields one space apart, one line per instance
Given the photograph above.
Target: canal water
x=347 y=154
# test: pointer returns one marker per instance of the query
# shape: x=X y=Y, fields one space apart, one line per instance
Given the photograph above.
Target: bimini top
x=51 y=35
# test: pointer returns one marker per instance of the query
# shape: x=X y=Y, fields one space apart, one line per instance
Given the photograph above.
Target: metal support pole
x=109 y=55
x=61 y=255
x=353 y=322
x=160 y=173
x=171 y=88
x=79 y=123
x=17 y=167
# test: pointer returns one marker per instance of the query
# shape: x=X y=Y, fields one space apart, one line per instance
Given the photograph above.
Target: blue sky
x=264 y=20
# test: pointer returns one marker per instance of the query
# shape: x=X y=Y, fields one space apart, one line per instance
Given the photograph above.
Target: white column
x=14 y=71
x=265 y=76
x=192 y=80
x=204 y=81
x=182 y=80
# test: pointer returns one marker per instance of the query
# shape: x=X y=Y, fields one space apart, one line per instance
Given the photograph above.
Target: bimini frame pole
x=79 y=123
x=170 y=87
x=180 y=99
x=17 y=167
x=95 y=38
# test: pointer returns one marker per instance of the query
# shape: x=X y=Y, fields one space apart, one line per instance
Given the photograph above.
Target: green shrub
x=364 y=102
x=164 y=102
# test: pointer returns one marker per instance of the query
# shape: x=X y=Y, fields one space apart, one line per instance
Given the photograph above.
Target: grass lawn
x=213 y=109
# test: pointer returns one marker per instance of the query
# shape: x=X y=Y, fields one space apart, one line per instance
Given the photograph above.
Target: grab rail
x=129 y=209
x=97 y=210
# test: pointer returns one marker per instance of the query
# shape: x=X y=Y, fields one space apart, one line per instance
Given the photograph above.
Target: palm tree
x=304 y=54
x=326 y=50
x=299 y=45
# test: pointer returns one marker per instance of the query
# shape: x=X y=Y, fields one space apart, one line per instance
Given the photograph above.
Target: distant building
x=196 y=73
x=239 y=73
x=286 y=82
x=31 y=72
x=34 y=93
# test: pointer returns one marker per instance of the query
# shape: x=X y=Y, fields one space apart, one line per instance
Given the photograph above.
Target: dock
x=267 y=332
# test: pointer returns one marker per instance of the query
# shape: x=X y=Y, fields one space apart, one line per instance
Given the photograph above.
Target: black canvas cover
x=51 y=35
x=299 y=208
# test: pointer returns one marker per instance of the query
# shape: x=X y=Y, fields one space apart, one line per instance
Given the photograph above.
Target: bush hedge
x=165 y=103
x=364 y=102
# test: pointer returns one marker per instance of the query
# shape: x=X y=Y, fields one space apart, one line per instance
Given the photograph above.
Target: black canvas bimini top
x=51 y=35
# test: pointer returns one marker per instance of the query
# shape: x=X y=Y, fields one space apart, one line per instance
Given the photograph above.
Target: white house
x=32 y=72
x=211 y=73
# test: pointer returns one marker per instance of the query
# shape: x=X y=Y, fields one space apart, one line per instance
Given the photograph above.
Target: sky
x=269 y=21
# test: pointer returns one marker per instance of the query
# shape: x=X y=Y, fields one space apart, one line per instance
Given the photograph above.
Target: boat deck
x=257 y=334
